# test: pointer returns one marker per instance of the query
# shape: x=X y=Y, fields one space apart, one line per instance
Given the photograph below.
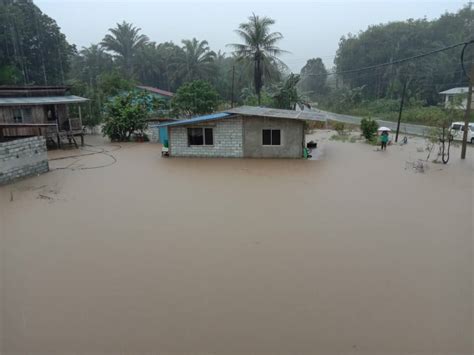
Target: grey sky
x=311 y=29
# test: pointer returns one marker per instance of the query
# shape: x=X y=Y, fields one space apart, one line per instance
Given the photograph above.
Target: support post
x=467 y=114
x=232 y=94
x=402 y=101
x=80 y=114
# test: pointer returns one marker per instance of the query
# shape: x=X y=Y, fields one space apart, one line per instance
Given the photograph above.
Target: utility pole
x=467 y=114
x=232 y=95
x=401 y=109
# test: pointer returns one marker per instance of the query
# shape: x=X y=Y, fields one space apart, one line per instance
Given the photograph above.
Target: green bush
x=369 y=128
x=339 y=127
x=124 y=115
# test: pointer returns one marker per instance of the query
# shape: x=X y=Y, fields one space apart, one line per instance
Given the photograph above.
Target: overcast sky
x=311 y=29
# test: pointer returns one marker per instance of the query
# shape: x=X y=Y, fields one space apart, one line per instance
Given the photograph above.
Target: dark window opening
x=22 y=115
x=17 y=117
x=271 y=137
x=51 y=113
x=208 y=136
x=200 y=136
x=276 y=137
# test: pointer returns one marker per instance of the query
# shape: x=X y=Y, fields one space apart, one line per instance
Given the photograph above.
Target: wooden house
x=40 y=110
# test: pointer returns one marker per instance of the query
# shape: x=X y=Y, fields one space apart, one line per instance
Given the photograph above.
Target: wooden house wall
x=38 y=115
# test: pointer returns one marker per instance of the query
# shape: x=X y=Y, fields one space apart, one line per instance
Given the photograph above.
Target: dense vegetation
x=32 y=48
x=34 y=51
x=384 y=43
x=378 y=91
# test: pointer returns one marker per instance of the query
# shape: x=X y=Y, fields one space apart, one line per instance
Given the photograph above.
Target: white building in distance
x=456 y=97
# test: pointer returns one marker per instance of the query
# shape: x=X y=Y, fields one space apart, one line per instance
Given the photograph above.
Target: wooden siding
x=38 y=115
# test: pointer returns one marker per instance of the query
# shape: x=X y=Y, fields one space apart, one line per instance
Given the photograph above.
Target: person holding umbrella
x=384 y=137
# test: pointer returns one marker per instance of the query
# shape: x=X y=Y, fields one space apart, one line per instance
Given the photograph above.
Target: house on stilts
x=27 y=111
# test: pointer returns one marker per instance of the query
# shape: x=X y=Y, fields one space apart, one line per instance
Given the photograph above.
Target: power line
x=395 y=61
x=462 y=53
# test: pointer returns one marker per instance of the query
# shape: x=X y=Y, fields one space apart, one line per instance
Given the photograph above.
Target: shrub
x=369 y=128
x=125 y=115
x=339 y=127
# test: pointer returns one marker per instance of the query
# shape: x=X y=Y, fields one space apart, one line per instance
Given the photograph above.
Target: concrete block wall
x=228 y=139
x=292 y=138
x=154 y=134
x=22 y=157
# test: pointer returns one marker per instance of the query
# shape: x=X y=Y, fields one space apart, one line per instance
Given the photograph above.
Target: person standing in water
x=384 y=140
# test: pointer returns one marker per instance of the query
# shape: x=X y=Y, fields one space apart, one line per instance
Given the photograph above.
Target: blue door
x=164 y=135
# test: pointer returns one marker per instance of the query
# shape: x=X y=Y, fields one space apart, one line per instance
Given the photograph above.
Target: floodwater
x=125 y=252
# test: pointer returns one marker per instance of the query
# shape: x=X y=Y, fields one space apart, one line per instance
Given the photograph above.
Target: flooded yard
x=122 y=251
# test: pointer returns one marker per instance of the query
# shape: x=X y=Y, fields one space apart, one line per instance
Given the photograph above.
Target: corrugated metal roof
x=212 y=117
x=278 y=113
x=253 y=111
x=41 y=100
x=156 y=90
x=454 y=91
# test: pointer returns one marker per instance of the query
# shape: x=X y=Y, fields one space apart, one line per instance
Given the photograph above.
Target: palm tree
x=196 y=60
x=124 y=41
x=168 y=55
x=259 y=48
x=94 y=61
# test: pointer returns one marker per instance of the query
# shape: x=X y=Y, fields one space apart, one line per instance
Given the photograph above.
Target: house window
x=27 y=115
x=200 y=136
x=17 y=117
x=22 y=115
x=271 y=137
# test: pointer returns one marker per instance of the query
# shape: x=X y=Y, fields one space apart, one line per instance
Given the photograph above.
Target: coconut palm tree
x=124 y=41
x=93 y=61
x=196 y=60
x=259 y=48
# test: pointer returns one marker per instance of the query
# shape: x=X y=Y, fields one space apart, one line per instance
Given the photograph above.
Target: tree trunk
x=258 y=77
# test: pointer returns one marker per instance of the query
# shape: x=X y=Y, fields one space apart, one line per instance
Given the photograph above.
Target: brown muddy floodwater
x=349 y=254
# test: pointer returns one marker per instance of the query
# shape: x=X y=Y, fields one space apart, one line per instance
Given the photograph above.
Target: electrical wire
x=398 y=61
x=462 y=58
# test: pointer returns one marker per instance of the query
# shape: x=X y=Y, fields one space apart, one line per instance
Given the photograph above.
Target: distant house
x=40 y=111
x=250 y=132
x=455 y=97
x=161 y=94
x=165 y=96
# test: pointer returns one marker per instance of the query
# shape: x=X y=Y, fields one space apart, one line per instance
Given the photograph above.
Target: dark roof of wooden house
x=15 y=91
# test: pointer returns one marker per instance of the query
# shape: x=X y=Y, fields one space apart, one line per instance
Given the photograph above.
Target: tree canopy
x=195 y=98
x=313 y=77
x=33 y=50
x=388 y=42
x=125 y=41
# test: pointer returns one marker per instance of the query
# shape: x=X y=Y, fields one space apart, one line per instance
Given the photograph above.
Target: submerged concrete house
x=250 y=132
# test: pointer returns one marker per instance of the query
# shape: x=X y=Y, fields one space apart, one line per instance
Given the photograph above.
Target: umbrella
x=384 y=129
